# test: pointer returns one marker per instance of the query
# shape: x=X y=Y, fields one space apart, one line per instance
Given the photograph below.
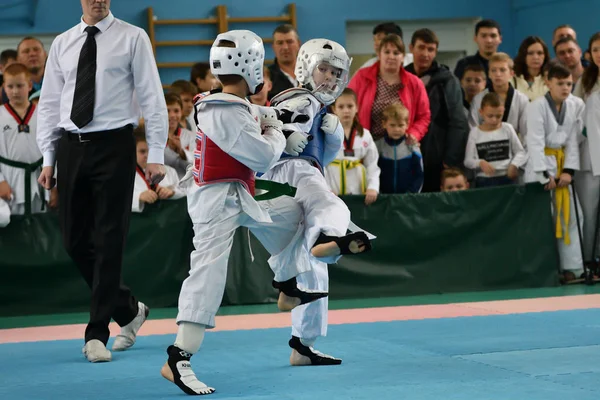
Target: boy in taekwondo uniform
x=20 y=158
x=235 y=140
x=554 y=125
x=322 y=69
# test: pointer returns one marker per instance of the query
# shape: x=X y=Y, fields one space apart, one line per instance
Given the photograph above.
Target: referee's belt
x=95 y=136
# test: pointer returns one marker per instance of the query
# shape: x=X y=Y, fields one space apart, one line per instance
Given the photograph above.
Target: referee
x=98 y=75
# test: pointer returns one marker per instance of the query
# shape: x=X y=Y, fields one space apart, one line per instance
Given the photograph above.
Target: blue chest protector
x=315 y=149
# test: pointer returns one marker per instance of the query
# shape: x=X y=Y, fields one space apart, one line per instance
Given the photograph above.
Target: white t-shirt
x=500 y=148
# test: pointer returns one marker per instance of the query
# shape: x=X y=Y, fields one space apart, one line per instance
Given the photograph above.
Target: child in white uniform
x=355 y=169
x=20 y=157
x=179 y=153
x=554 y=124
x=322 y=69
x=143 y=191
x=233 y=142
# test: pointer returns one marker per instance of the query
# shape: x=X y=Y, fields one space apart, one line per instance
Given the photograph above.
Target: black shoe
x=315 y=357
x=290 y=288
x=183 y=375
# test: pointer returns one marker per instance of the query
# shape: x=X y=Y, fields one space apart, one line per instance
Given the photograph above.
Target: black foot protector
x=315 y=357
x=290 y=288
x=344 y=242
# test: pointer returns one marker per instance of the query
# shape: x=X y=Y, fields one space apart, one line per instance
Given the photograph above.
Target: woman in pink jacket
x=387 y=82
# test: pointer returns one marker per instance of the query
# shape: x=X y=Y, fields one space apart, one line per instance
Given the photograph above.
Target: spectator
x=494 y=150
x=554 y=123
x=145 y=192
x=563 y=31
x=201 y=76
x=400 y=161
x=473 y=82
x=262 y=98
x=7 y=57
x=186 y=92
x=554 y=62
x=18 y=147
x=179 y=152
x=286 y=45
x=590 y=79
x=568 y=52
x=488 y=37
x=381 y=31
x=588 y=176
x=453 y=180
x=515 y=102
x=31 y=53
x=355 y=169
x=387 y=82
x=531 y=59
x=445 y=141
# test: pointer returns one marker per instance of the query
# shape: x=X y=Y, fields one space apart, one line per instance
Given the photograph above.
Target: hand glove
x=296 y=142
x=289 y=112
x=329 y=123
x=268 y=119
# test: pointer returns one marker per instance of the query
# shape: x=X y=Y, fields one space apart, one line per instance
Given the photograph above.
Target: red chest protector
x=213 y=165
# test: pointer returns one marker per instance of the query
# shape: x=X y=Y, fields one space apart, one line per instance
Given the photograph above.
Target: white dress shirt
x=126 y=79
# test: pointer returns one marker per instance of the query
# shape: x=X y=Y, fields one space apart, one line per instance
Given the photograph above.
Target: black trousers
x=432 y=176
x=494 y=181
x=95 y=188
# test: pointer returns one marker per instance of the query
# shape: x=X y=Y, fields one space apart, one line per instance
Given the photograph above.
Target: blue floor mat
x=550 y=355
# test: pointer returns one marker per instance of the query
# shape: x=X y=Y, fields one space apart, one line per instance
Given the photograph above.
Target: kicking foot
x=291 y=297
x=304 y=355
x=178 y=370
x=126 y=338
x=96 y=351
x=331 y=246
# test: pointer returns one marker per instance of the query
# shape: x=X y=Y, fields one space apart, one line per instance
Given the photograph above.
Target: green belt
x=274 y=190
x=29 y=169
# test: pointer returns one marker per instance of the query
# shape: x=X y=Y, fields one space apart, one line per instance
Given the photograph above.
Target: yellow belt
x=561 y=195
x=346 y=165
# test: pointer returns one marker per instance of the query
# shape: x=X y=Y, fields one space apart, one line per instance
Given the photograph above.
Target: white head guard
x=323 y=51
x=246 y=59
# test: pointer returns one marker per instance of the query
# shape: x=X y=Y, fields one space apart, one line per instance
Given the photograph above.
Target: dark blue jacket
x=401 y=166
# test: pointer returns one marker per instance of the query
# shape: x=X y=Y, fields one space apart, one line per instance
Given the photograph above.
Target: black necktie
x=82 y=111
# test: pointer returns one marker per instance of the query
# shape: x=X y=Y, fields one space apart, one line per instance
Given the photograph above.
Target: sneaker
x=96 y=351
x=126 y=338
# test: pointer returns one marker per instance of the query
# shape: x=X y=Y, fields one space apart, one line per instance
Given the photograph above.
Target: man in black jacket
x=286 y=45
x=444 y=144
x=488 y=37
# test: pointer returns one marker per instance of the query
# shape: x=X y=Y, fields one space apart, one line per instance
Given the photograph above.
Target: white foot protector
x=178 y=370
